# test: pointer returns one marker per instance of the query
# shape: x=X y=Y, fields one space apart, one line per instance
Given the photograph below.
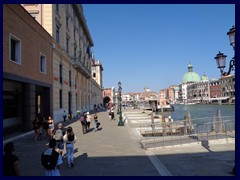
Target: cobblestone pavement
x=115 y=151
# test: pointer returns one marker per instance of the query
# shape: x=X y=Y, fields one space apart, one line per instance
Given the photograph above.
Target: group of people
x=59 y=139
x=54 y=153
x=43 y=127
x=86 y=119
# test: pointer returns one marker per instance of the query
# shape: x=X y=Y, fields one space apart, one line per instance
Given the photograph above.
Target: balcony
x=81 y=67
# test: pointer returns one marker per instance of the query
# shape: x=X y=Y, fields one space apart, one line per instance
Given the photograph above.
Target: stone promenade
x=115 y=151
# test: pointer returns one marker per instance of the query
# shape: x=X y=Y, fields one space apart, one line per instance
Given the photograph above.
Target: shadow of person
x=99 y=129
x=84 y=156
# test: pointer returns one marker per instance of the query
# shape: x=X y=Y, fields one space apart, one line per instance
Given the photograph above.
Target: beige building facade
x=71 y=55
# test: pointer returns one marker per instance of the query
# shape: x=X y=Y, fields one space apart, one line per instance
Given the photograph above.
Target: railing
x=78 y=64
x=179 y=132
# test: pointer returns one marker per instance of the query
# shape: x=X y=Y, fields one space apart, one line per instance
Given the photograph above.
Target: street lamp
x=221 y=58
x=120 y=123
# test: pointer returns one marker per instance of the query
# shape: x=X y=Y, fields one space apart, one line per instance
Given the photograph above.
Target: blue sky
x=151 y=45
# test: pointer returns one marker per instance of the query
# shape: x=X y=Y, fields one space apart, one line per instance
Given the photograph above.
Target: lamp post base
x=120 y=123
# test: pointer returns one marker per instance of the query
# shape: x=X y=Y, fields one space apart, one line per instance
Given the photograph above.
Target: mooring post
x=152 y=120
x=213 y=123
x=220 y=125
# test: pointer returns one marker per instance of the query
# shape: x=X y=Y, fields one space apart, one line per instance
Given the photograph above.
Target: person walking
x=112 y=113
x=58 y=136
x=95 y=117
x=36 y=127
x=83 y=121
x=50 y=126
x=88 y=120
x=51 y=160
x=64 y=116
x=70 y=138
x=10 y=161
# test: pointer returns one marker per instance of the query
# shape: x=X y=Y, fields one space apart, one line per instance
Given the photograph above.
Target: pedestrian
x=36 y=128
x=83 y=121
x=10 y=161
x=45 y=127
x=70 y=138
x=112 y=113
x=88 y=120
x=95 y=117
x=50 y=127
x=64 y=116
x=58 y=136
x=51 y=160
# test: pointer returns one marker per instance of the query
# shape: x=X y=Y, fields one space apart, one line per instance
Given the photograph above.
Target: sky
x=151 y=45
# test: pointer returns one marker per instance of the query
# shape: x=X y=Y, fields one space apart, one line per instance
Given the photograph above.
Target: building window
x=67 y=44
x=15 y=49
x=67 y=21
x=75 y=52
x=94 y=75
x=74 y=34
x=70 y=79
x=57 y=8
x=43 y=64
x=60 y=98
x=58 y=34
x=60 y=73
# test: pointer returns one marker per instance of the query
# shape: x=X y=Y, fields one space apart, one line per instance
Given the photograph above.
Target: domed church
x=190 y=76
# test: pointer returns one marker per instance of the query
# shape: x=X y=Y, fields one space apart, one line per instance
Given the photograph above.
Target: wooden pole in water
x=189 y=120
x=185 y=124
x=220 y=125
x=152 y=120
x=213 y=123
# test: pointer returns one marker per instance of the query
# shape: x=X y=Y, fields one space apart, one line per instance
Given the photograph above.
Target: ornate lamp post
x=120 y=123
x=221 y=58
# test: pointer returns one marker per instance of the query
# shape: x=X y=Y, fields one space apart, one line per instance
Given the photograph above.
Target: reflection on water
x=199 y=111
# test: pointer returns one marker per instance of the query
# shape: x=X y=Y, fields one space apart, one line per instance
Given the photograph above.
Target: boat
x=166 y=108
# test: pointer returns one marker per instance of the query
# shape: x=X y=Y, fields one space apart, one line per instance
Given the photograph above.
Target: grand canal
x=200 y=111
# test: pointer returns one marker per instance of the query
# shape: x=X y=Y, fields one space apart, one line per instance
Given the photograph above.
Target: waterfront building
x=198 y=92
x=176 y=94
x=215 y=89
x=163 y=94
x=27 y=69
x=109 y=96
x=228 y=88
x=71 y=55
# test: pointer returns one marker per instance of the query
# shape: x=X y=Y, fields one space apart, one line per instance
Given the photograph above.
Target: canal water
x=199 y=111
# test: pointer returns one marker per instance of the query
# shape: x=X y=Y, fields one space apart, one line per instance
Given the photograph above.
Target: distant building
x=109 y=96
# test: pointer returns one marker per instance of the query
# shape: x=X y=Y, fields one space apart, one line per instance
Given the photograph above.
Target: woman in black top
x=10 y=161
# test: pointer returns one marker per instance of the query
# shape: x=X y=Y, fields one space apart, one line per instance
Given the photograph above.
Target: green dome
x=204 y=78
x=190 y=76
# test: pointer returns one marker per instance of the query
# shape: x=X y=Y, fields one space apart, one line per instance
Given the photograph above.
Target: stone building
x=71 y=55
x=27 y=69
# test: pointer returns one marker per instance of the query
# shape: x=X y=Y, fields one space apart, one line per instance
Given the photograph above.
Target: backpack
x=49 y=161
x=70 y=137
x=58 y=135
x=83 y=120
